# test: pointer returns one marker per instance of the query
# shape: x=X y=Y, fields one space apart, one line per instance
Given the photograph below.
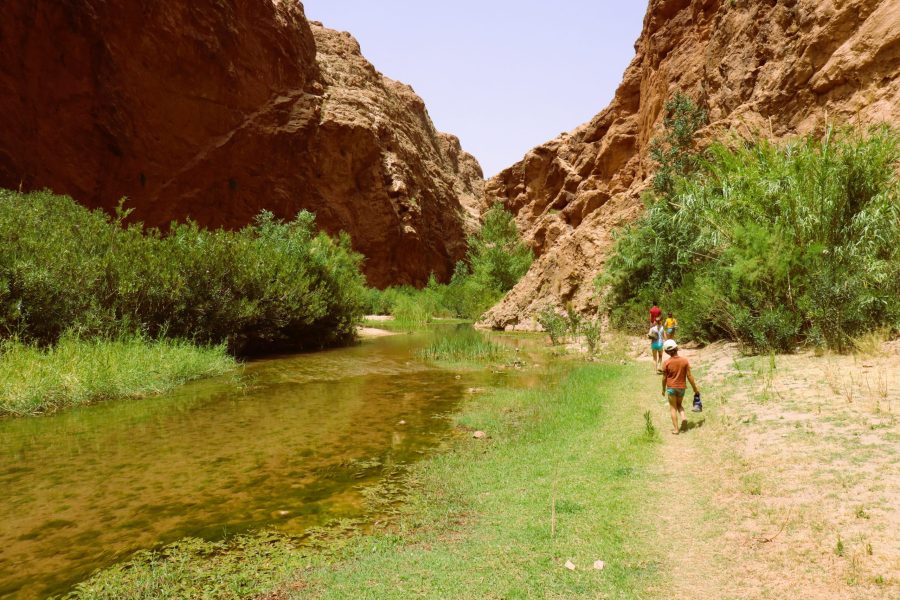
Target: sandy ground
x=373 y=332
x=788 y=484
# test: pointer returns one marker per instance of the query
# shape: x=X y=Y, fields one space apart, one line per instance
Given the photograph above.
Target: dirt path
x=788 y=484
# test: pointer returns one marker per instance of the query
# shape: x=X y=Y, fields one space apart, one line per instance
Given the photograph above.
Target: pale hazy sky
x=503 y=75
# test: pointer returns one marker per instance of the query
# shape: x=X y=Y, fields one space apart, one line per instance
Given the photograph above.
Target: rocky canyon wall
x=216 y=109
x=772 y=67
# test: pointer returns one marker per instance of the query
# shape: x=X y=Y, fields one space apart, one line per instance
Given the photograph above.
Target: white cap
x=670 y=345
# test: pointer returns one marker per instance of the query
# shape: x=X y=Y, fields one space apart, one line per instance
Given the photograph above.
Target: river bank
x=785 y=484
x=498 y=513
x=74 y=372
x=302 y=441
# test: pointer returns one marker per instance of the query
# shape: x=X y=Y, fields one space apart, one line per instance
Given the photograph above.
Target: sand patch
x=373 y=332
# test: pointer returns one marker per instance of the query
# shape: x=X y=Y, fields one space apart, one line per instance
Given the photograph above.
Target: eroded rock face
x=776 y=68
x=413 y=192
x=216 y=110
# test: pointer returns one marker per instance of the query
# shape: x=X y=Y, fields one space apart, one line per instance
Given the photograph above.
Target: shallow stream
x=292 y=448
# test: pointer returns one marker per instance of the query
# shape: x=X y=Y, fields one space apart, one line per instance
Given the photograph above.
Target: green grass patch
x=469 y=347
x=240 y=568
x=76 y=372
x=560 y=478
x=563 y=475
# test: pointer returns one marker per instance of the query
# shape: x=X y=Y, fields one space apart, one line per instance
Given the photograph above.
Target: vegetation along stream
x=293 y=448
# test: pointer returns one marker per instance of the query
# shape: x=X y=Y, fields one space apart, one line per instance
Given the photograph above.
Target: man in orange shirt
x=676 y=370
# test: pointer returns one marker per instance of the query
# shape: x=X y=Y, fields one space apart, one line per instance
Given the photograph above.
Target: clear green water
x=85 y=489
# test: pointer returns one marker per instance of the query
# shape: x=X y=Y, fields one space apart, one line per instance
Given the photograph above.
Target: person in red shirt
x=676 y=370
x=655 y=312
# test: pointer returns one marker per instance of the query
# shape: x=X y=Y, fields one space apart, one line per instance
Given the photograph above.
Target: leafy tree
x=497 y=256
x=674 y=150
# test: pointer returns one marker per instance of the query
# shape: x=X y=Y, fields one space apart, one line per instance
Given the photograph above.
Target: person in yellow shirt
x=671 y=326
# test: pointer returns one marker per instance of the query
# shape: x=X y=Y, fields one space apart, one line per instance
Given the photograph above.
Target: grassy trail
x=786 y=485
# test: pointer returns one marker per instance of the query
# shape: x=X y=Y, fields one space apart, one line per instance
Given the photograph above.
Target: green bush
x=270 y=286
x=554 y=324
x=771 y=245
x=411 y=311
x=573 y=320
x=497 y=257
x=674 y=150
x=590 y=329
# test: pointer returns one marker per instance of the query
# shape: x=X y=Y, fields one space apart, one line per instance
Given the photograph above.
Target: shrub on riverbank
x=495 y=262
x=270 y=286
x=75 y=372
x=771 y=245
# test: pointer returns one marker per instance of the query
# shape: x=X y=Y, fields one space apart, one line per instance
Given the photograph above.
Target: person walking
x=676 y=370
x=656 y=335
x=655 y=313
x=671 y=326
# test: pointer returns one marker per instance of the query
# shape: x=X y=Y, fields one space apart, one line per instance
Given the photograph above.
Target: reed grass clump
x=464 y=348
x=772 y=245
x=74 y=372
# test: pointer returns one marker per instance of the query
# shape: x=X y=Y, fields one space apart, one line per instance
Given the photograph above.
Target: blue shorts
x=677 y=392
x=671 y=330
x=656 y=346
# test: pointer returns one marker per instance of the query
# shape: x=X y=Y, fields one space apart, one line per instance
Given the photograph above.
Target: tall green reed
x=770 y=244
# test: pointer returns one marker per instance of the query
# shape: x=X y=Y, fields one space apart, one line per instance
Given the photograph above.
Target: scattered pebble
x=569 y=565
x=479 y=435
x=599 y=564
x=457 y=377
x=401 y=422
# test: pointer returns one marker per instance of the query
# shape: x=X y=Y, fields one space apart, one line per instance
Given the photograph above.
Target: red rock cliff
x=214 y=110
x=777 y=68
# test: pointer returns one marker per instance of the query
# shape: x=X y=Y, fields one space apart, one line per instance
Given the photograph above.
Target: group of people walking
x=676 y=372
